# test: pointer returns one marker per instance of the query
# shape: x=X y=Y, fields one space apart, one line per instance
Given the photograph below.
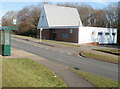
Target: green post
x=5 y=40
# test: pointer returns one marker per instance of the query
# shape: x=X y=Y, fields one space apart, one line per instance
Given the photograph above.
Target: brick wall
x=61 y=34
x=72 y=37
x=45 y=34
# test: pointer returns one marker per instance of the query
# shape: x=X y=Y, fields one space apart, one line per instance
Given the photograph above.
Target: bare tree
x=8 y=18
x=35 y=15
x=24 y=14
x=28 y=19
x=112 y=15
x=85 y=12
x=98 y=18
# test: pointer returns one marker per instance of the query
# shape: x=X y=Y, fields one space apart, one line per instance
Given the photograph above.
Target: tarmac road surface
x=104 y=69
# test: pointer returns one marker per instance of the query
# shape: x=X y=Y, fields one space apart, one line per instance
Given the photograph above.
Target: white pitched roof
x=58 y=16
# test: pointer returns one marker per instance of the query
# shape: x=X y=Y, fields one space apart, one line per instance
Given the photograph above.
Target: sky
x=16 y=5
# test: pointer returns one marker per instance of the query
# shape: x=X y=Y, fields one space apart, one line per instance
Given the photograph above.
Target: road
x=104 y=69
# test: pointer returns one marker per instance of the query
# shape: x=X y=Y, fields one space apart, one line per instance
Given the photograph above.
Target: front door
x=53 y=35
x=100 y=38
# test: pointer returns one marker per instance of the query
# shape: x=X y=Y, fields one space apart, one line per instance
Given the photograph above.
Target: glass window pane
x=1 y=37
x=99 y=33
x=7 y=37
x=113 y=34
x=106 y=33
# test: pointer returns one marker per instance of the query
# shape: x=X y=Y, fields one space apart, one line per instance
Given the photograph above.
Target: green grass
x=57 y=42
x=0 y=72
x=111 y=51
x=23 y=36
x=101 y=57
x=63 y=43
x=96 y=80
x=23 y=72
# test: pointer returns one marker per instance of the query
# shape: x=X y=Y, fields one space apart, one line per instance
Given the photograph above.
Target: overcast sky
x=16 y=5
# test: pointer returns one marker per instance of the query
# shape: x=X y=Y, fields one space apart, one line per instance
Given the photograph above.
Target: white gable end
x=43 y=20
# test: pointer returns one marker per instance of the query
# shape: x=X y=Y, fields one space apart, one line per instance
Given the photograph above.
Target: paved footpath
x=71 y=78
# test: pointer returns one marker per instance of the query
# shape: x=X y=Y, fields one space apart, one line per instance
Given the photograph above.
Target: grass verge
x=96 y=80
x=57 y=42
x=111 y=51
x=23 y=72
x=101 y=57
x=63 y=43
x=0 y=72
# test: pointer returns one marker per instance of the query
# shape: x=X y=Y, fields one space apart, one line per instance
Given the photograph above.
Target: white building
x=64 y=24
x=97 y=35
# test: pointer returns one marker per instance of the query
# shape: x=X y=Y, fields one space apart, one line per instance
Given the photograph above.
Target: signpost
x=41 y=34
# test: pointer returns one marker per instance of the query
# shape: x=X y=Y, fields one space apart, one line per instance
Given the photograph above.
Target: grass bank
x=63 y=43
x=0 y=72
x=57 y=42
x=100 y=57
x=97 y=81
x=23 y=72
x=110 y=51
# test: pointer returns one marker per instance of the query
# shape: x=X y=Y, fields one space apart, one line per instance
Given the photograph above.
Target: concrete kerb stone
x=81 y=54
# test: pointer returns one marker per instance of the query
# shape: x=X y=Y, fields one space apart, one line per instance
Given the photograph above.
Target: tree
x=7 y=19
x=28 y=19
x=98 y=18
x=112 y=15
x=85 y=12
x=35 y=15
x=23 y=18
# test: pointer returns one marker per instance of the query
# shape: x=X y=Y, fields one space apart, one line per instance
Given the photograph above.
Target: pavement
x=70 y=78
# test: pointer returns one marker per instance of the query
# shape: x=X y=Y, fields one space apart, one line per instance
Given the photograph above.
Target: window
x=64 y=35
x=107 y=33
x=71 y=30
x=113 y=34
x=54 y=31
x=93 y=33
x=99 y=33
x=7 y=37
x=42 y=18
